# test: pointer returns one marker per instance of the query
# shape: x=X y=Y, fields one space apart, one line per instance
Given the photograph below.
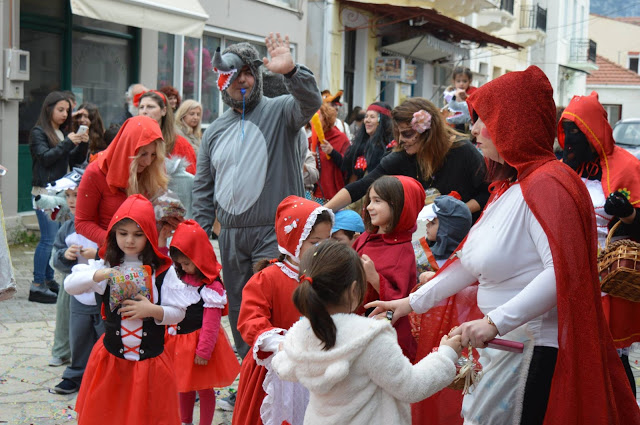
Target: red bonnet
x=193 y=242
x=295 y=218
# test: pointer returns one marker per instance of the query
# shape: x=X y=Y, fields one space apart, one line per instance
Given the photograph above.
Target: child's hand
x=104 y=274
x=454 y=342
x=200 y=361
x=89 y=253
x=164 y=234
x=461 y=95
x=370 y=270
x=140 y=308
x=426 y=277
x=71 y=253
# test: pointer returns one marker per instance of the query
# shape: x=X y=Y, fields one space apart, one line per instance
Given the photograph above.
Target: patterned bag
x=128 y=283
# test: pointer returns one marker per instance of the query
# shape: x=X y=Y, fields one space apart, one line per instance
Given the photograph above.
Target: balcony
x=582 y=54
x=533 y=18
x=495 y=19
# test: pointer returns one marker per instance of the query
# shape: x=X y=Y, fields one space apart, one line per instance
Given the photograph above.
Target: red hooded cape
x=587 y=364
x=331 y=178
x=139 y=209
x=620 y=170
x=392 y=254
x=114 y=162
x=193 y=242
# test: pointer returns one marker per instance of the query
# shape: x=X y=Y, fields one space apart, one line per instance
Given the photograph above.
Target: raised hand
x=281 y=60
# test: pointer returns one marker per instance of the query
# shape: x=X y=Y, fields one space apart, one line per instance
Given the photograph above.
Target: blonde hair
x=434 y=144
x=183 y=110
x=153 y=180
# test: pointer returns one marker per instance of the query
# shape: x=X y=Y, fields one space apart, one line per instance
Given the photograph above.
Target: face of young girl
x=379 y=211
x=461 y=81
x=432 y=229
x=320 y=232
x=187 y=266
x=59 y=113
x=130 y=238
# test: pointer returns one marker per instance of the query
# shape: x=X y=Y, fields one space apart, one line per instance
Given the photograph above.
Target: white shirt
x=509 y=255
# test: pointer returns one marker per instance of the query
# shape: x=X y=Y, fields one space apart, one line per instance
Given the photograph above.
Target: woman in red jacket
x=133 y=163
x=154 y=104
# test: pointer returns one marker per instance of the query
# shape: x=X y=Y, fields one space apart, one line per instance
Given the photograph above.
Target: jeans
x=42 y=271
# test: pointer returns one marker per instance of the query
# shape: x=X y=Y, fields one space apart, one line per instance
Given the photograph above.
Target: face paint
x=485 y=133
x=577 y=149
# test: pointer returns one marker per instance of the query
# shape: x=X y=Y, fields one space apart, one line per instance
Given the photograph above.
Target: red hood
x=139 y=209
x=514 y=122
x=620 y=169
x=414 y=197
x=193 y=242
x=114 y=162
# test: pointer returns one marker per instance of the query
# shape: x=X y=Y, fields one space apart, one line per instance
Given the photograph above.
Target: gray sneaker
x=227 y=403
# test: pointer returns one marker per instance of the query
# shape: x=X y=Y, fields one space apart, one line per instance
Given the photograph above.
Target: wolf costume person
x=250 y=160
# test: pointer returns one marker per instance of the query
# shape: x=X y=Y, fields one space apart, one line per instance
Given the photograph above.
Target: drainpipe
x=325 y=80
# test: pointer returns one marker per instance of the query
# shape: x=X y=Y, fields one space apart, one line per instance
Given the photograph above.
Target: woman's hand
x=370 y=270
x=200 y=361
x=400 y=308
x=454 y=342
x=104 y=274
x=140 y=308
x=477 y=333
x=89 y=253
x=326 y=147
x=281 y=60
x=71 y=253
x=78 y=138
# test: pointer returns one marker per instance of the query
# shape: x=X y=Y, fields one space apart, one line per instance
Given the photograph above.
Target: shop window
x=441 y=80
x=166 y=54
x=210 y=93
x=191 y=68
x=50 y=8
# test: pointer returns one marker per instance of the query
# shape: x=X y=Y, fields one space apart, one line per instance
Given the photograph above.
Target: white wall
x=627 y=96
x=615 y=39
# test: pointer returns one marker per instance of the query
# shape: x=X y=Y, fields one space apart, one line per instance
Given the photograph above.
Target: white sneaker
x=227 y=403
x=57 y=361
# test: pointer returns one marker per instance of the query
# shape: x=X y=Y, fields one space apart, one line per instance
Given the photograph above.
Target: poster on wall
x=390 y=68
x=410 y=74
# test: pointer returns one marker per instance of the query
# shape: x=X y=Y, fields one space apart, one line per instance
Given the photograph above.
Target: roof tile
x=610 y=73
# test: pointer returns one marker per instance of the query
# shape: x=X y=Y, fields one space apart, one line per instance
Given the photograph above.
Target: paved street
x=26 y=337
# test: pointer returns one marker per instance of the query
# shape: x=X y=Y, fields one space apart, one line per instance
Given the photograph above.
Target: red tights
x=207 y=406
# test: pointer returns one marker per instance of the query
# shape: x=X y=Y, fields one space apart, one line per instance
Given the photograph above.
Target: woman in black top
x=52 y=154
x=429 y=151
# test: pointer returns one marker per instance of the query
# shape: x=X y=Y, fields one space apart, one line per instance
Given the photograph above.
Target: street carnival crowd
x=339 y=312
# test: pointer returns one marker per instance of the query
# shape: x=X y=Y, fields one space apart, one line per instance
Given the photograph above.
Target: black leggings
x=538 y=386
x=627 y=369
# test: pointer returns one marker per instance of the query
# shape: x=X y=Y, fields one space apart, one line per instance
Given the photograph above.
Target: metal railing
x=582 y=50
x=533 y=17
x=507 y=5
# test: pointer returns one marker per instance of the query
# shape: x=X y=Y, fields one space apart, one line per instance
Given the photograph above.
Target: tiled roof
x=635 y=20
x=610 y=73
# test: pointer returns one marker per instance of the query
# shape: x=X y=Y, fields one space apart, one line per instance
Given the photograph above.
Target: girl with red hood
x=391 y=210
x=612 y=177
x=533 y=256
x=133 y=163
x=129 y=377
x=201 y=352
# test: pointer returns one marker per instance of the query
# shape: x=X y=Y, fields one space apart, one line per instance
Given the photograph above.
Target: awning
x=425 y=48
x=161 y=15
x=423 y=21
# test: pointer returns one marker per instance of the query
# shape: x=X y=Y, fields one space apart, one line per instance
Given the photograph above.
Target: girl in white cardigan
x=353 y=366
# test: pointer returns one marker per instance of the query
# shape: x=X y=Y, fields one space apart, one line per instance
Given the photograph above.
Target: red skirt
x=221 y=370
x=120 y=391
x=250 y=392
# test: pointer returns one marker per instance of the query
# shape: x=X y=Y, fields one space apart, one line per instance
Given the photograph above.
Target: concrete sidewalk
x=26 y=338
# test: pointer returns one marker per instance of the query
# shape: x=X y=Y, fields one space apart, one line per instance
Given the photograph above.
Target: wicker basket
x=619 y=268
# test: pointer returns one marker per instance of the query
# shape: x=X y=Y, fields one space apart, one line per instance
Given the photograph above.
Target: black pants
x=627 y=369
x=538 y=386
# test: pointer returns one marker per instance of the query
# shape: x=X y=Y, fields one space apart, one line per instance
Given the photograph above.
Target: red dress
x=266 y=306
x=183 y=148
x=331 y=178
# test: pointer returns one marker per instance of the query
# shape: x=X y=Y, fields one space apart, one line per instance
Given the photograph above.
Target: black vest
x=193 y=317
x=152 y=343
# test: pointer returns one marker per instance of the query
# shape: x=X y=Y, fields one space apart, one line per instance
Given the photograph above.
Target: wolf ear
x=257 y=63
x=219 y=63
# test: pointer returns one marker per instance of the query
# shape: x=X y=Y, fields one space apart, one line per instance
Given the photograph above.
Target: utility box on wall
x=15 y=73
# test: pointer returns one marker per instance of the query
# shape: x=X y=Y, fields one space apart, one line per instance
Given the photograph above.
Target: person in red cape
x=329 y=154
x=612 y=177
x=129 y=377
x=203 y=358
x=392 y=205
x=267 y=312
x=533 y=256
x=109 y=179
x=154 y=104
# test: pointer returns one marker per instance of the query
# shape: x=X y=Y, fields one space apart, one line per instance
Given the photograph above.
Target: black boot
x=39 y=293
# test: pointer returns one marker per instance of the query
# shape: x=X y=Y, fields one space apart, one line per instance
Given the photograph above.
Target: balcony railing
x=582 y=50
x=507 y=5
x=533 y=18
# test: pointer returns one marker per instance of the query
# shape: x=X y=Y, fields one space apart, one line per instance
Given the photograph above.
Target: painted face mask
x=577 y=150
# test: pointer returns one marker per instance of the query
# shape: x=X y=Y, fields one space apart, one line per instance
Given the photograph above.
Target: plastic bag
x=168 y=205
x=128 y=283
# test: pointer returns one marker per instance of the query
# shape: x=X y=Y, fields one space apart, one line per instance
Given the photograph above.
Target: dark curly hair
x=114 y=255
x=177 y=255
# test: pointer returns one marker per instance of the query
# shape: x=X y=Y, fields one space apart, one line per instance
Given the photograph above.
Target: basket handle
x=611 y=232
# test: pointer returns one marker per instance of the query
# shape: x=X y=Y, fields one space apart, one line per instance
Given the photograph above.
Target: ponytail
x=265 y=262
x=328 y=272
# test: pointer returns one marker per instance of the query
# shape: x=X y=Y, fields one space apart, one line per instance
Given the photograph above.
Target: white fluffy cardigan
x=364 y=378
